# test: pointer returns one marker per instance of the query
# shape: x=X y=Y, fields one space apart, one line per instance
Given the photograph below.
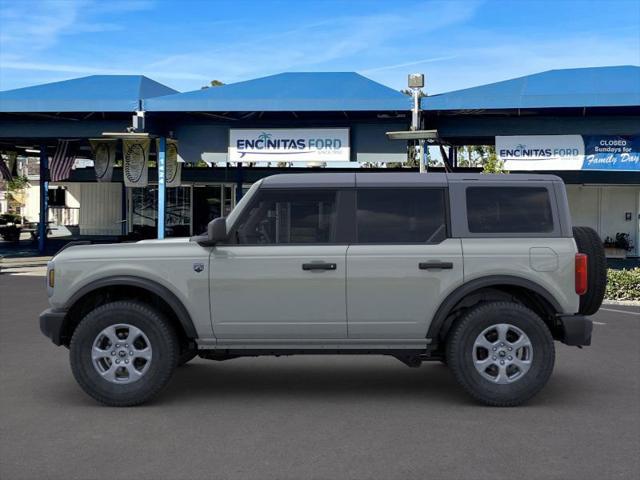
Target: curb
x=629 y=303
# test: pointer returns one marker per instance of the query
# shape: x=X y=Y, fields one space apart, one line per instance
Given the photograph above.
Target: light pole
x=416 y=83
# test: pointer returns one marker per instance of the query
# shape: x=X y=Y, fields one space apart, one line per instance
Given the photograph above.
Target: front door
x=402 y=264
x=282 y=275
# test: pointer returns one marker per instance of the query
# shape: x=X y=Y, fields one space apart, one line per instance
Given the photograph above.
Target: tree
x=213 y=83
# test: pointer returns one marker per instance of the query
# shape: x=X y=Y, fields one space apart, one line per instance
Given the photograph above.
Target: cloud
x=409 y=64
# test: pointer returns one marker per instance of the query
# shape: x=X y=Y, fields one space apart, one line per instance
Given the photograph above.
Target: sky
x=185 y=44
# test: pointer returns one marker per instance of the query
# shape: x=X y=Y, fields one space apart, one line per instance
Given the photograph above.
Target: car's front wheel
x=123 y=353
x=502 y=353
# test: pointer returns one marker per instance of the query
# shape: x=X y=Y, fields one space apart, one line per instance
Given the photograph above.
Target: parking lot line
x=621 y=311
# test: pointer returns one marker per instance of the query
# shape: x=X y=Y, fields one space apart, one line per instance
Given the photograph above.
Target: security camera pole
x=416 y=83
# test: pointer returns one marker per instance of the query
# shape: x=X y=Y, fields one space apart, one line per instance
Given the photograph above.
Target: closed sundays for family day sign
x=289 y=145
x=569 y=152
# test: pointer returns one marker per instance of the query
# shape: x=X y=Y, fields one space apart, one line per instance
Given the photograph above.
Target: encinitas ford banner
x=611 y=152
x=569 y=152
x=289 y=145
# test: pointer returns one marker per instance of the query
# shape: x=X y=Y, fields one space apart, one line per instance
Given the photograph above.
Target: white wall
x=100 y=208
x=603 y=208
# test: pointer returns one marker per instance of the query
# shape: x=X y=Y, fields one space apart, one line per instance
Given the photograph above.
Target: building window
x=509 y=210
x=407 y=215
x=279 y=217
x=144 y=212
x=57 y=197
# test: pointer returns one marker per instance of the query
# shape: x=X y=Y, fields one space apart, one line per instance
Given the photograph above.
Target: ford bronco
x=481 y=272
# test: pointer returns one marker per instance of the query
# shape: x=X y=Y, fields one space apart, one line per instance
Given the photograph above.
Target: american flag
x=62 y=161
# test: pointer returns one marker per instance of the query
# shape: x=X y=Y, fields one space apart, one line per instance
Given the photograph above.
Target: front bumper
x=52 y=323
x=575 y=330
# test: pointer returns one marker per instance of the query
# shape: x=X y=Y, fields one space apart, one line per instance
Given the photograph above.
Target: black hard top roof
x=400 y=179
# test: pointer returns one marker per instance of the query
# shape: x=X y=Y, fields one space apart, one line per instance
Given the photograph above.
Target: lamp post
x=416 y=83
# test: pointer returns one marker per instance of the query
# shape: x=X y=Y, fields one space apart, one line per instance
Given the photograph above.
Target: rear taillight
x=581 y=273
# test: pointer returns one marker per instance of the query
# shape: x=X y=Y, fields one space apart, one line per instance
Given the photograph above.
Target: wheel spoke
x=523 y=365
x=133 y=333
x=133 y=373
x=482 y=341
x=98 y=353
x=110 y=333
x=523 y=341
x=110 y=374
x=502 y=376
x=144 y=353
x=502 y=329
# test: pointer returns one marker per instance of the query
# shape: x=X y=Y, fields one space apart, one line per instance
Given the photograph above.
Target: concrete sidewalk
x=10 y=264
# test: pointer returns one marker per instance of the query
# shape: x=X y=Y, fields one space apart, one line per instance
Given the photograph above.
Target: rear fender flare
x=441 y=323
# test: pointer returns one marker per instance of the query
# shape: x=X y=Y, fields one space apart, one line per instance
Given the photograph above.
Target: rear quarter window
x=509 y=210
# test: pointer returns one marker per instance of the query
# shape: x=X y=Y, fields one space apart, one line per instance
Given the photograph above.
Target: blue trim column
x=162 y=156
x=44 y=199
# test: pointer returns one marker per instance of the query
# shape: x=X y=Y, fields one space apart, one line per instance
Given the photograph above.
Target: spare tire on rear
x=588 y=242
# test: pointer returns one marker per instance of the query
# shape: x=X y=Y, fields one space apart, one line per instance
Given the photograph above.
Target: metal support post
x=44 y=199
x=162 y=155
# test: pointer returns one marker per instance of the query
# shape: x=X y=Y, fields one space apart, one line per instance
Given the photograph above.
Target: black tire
x=588 y=242
x=163 y=342
x=460 y=350
x=186 y=356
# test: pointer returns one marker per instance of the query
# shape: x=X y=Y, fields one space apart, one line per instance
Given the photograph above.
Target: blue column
x=44 y=199
x=162 y=155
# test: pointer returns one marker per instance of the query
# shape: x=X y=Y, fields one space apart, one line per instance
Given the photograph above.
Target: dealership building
x=212 y=144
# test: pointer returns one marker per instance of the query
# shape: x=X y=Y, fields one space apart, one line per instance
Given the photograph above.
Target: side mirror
x=217 y=230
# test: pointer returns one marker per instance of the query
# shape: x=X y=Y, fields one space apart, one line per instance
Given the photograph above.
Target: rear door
x=283 y=276
x=402 y=263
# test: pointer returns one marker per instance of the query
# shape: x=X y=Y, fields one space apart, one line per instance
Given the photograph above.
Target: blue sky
x=184 y=44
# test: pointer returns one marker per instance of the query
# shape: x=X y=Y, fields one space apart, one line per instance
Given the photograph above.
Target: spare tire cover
x=588 y=242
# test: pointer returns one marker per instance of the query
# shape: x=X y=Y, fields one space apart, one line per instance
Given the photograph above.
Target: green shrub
x=623 y=284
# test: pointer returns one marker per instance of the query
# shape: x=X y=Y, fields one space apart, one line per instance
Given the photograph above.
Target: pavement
x=315 y=417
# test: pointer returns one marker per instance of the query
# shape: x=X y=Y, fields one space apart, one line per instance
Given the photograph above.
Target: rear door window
x=509 y=210
x=401 y=215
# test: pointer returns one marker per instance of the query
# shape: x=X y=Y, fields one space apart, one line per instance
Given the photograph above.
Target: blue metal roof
x=299 y=92
x=96 y=93
x=576 y=87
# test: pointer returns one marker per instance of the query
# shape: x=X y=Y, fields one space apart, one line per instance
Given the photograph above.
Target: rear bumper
x=575 y=330
x=51 y=323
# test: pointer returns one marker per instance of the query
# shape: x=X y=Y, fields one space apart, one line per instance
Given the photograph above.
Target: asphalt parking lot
x=315 y=417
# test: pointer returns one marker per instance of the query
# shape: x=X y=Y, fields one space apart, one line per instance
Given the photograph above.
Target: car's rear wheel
x=502 y=353
x=123 y=353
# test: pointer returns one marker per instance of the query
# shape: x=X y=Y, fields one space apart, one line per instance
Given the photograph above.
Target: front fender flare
x=129 y=280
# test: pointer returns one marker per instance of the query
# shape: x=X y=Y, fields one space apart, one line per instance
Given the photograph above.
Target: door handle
x=319 y=266
x=435 y=265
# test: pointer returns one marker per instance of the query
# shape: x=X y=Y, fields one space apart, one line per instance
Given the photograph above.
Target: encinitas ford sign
x=289 y=145
x=569 y=152
x=541 y=152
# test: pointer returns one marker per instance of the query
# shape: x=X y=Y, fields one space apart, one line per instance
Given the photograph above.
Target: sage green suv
x=481 y=272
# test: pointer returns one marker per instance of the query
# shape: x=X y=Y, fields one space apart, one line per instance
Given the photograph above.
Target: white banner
x=173 y=166
x=289 y=145
x=541 y=152
x=104 y=157
x=136 y=162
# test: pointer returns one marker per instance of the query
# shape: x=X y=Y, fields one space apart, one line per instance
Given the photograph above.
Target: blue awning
x=577 y=87
x=288 y=92
x=96 y=93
